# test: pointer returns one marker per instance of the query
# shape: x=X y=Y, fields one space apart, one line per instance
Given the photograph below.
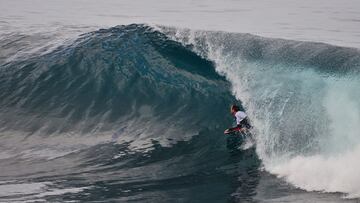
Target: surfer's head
x=234 y=108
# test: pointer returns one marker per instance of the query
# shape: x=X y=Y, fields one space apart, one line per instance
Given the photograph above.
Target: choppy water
x=137 y=112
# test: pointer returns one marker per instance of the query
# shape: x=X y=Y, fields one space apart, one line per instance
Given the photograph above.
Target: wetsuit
x=241 y=121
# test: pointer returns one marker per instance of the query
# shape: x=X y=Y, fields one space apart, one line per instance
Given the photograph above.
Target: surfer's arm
x=236 y=128
x=230 y=130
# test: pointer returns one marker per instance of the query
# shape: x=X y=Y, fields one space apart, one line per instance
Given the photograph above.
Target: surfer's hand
x=227 y=131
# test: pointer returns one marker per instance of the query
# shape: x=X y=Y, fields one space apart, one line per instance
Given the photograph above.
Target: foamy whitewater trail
x=337 y=173
x=303 y=100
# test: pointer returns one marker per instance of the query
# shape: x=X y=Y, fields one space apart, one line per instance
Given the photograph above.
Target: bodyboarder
x=242 y=122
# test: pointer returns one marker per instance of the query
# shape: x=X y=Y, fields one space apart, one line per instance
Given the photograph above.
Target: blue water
x=136 y=112
x=129 y=91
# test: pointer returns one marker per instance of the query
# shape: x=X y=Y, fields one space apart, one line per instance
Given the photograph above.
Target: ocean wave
x=139 y=110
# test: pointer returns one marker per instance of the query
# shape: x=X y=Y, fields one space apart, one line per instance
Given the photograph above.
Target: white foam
x=307 y=123
x=336 y=167
x=11 y=191
x=339 y=173
x=22 y=188
x=54 y=192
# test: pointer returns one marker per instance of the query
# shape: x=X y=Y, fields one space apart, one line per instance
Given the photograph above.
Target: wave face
x=120 y=114
x=109 y=77
x=303 y=99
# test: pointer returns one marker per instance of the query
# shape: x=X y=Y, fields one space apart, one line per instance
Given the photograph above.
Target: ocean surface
x=127 y=101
